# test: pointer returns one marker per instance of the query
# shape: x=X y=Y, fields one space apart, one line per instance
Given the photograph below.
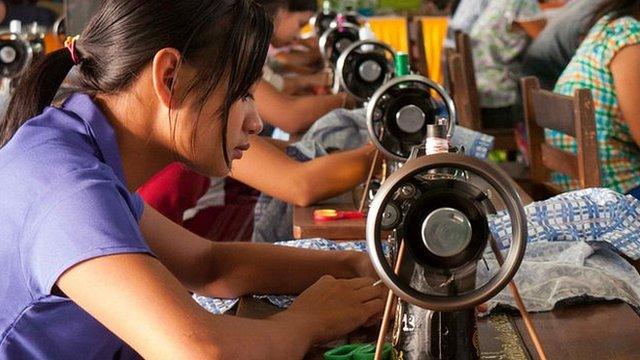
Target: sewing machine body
x=18 y=47
x=436 y=213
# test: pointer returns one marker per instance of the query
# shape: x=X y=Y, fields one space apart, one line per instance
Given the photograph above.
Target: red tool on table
x=332 y=214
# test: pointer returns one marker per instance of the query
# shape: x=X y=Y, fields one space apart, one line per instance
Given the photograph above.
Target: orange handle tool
x=332 y=214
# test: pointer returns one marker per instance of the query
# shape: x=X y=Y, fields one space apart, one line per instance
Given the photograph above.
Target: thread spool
x=437 y=142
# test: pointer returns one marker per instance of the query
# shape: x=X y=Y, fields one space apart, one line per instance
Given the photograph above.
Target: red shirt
x=177 y=188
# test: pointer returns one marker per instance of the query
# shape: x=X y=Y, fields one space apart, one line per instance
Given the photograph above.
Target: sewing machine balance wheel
x=336 y=40
x=363 y=67
x=400 y=110
x=15 y=55
x=441 y=217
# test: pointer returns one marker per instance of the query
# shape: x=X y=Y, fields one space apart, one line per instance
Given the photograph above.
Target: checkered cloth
x=589 y=69
x=591 y=215
x=571 y=237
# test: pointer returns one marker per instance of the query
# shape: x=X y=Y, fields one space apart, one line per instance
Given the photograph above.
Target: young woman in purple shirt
x=90 y=271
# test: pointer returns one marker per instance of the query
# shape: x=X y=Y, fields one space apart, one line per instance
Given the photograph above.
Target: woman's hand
x=335 y=307
x=362 y=265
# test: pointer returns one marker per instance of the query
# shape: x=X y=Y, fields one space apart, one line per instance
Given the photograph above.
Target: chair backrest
x=462 y=83
x=463 y=47
x=570 y=115
x=417 y=51
x=460 y=88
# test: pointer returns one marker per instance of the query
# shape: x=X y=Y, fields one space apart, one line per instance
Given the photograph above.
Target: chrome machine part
x=446 y=232
x=60 y=27
x=363 y=67
x=15 y=55
x=400 y=112
x=335 y=40
x=443 y=222
x=410 y=119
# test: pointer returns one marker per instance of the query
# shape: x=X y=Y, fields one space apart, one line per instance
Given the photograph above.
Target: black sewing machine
x=427 y=228
x=322 y=20
x=363 y=68
x=18 y=47
x=337 y=38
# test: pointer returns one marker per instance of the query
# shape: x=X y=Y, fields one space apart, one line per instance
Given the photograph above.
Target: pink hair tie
x=340 y=20
x=70 y=44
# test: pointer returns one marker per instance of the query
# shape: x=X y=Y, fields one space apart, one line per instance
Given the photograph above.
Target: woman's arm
x=626 y=80
x=300 y=83
x=230 y=270
x=302 y=183
x=136 y=298
x=294 y=114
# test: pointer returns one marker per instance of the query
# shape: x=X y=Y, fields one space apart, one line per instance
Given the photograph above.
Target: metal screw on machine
x=408 y=190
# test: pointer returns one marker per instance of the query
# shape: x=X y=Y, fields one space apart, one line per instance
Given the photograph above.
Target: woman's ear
x=164 y=70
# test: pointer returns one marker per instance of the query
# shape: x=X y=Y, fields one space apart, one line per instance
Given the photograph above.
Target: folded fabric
x=554 y=272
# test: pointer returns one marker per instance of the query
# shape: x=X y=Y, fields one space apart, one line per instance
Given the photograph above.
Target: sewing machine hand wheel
x=363 y=67
x=15 y=55
x=336 y=40
x=60 y=26
x=442 y=220
x=400 y=110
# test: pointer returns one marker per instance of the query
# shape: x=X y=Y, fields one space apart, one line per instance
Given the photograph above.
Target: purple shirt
x=63 y=201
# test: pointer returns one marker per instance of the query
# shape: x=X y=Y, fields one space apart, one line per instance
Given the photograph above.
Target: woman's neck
x=141 y=156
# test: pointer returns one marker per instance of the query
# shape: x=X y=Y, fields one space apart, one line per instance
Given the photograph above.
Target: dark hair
x=272 y=6
x=226 y=40
x=615 y=8
x=303 y=5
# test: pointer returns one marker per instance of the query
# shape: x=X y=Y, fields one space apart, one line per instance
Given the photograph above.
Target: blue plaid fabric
x=591 y=215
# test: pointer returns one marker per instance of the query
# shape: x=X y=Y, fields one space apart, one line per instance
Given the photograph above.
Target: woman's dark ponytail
x=35 y=91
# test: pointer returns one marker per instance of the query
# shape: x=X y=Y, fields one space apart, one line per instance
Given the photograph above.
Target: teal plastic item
x=357 y=352
x=402 y=63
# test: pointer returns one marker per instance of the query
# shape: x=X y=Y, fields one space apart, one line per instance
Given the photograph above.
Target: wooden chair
x=573 y=116
x=462 y=79
x=417 y=51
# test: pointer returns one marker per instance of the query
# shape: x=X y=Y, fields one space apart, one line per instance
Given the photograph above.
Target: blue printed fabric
x=586 y=215
x=339 y=130
x=572 y=254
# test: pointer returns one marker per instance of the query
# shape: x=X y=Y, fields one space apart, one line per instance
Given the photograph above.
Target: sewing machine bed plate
x=594 y=331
